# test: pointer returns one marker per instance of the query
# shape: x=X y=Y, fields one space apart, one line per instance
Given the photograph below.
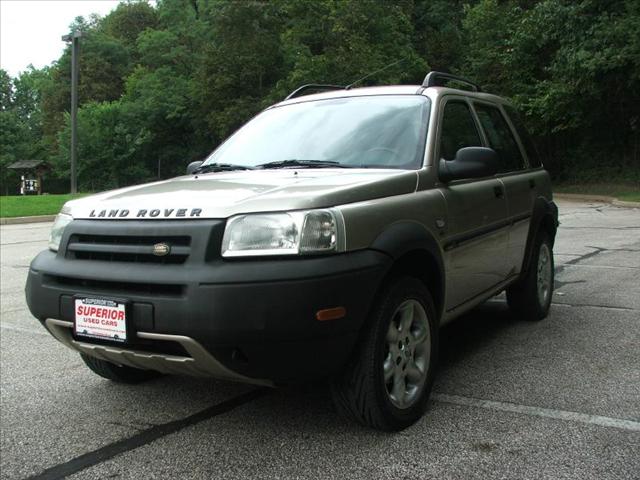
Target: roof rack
x=312 y=86
x=431 y=80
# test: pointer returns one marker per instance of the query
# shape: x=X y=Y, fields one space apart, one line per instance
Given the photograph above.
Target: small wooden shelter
x=31 y=173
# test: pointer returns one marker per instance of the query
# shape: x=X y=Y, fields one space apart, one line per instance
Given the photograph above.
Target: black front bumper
x=256 y=317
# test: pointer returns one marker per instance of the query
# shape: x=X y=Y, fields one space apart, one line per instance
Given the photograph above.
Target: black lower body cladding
x=256 y=317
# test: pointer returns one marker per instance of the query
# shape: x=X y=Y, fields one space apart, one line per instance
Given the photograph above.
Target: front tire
x=530 y=297
x=118 y=373
x=388 y=382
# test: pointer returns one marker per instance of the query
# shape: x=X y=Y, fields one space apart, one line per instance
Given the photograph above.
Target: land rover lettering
x=146 y=213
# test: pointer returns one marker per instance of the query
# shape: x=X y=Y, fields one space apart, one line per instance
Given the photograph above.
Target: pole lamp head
x=72 y=35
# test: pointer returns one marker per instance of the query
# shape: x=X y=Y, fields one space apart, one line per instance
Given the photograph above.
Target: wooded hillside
x=162 y=85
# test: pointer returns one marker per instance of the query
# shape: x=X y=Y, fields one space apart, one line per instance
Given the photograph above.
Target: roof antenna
x=373 y=73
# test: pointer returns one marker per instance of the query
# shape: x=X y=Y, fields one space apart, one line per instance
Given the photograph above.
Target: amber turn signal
x=331 y=314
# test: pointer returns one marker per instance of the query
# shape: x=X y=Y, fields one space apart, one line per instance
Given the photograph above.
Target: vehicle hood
x=223 y=194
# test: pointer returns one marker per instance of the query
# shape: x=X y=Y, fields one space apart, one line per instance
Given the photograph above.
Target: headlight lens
x=290 y=233
x=62 y=220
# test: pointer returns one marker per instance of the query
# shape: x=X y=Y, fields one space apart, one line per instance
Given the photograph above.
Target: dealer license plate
x=100 y=318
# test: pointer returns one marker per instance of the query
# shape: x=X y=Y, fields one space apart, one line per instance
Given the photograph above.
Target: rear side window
x=458 y=130
x=500 y=138
x=525 y=138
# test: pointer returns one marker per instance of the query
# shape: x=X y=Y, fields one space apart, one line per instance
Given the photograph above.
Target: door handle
x=499 y=192
x=532 y=183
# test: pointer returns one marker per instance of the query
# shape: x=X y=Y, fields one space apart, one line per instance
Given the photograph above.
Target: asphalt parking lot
x=555 y=399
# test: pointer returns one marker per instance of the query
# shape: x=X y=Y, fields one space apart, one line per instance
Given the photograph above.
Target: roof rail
x=431 y=80
x=312 y=86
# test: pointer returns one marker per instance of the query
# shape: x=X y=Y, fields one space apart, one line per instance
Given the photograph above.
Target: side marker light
x=331 y=314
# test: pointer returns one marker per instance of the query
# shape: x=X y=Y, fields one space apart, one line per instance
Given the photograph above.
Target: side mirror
x=193 y=166
x=470 y=162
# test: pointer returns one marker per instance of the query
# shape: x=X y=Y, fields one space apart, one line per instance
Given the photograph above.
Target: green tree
x=241 y=65
x=438 y=33
x=20 y=123
x=6 y=91
x=110 y=149
x=128 y=21
x=340 y=42
x=574 y=69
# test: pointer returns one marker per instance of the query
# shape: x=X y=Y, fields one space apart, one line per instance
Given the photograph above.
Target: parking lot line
x=587 y=305
x=609 y=267
x=538 y=411
x=570 y=305
x=144 y=437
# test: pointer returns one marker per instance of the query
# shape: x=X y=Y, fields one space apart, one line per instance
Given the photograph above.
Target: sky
x=31 y=30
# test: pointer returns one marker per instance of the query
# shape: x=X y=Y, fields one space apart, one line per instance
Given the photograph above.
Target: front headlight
x=290 y=233
x=62 y=220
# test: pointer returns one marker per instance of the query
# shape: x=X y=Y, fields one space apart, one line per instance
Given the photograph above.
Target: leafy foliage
x=20 y=123
x=162 y=85
x=574 y=69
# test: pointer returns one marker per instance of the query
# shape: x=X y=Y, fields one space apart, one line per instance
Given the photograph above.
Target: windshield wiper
x=303 y=164
x=220 y=167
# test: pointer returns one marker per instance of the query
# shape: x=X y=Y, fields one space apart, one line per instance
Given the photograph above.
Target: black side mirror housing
x=470 y=162
x=193 y=166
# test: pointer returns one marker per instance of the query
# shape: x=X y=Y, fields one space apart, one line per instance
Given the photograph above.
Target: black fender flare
x=544 y=215
x=405 y=237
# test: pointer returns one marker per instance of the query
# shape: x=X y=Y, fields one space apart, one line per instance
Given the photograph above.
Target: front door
x=477 y=233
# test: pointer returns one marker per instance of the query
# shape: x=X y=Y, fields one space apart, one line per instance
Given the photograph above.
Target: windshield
x=369 y=132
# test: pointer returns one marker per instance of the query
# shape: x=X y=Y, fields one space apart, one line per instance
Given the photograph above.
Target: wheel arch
x=415 y=252
x=545 y=217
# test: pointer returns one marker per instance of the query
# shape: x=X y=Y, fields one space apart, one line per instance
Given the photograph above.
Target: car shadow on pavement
x=474 y=331
x=287 y=408
x=459 y=341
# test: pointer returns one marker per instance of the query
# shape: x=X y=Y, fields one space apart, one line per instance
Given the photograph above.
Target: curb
x=596 y=198
x=621 y=203
x=20 y=220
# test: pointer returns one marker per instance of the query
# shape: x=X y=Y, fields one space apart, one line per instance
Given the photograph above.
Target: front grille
x=128 y=248
x=83 y=285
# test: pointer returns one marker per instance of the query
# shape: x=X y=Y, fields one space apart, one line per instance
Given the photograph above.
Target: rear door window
x=525 y=138
x=500 y=138
x=458 y=130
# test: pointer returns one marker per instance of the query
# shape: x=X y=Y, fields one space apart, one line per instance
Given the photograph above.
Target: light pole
x=74 y=38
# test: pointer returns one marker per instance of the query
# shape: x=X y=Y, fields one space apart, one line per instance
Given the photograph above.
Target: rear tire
x=388 y=381
x=530 y=297
x=118 y=373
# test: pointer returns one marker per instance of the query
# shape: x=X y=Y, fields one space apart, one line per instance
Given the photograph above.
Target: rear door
x=513 y=172
x=476 y=235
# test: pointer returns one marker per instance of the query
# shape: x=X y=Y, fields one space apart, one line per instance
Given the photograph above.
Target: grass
x=622 y=191
x=29 y=205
